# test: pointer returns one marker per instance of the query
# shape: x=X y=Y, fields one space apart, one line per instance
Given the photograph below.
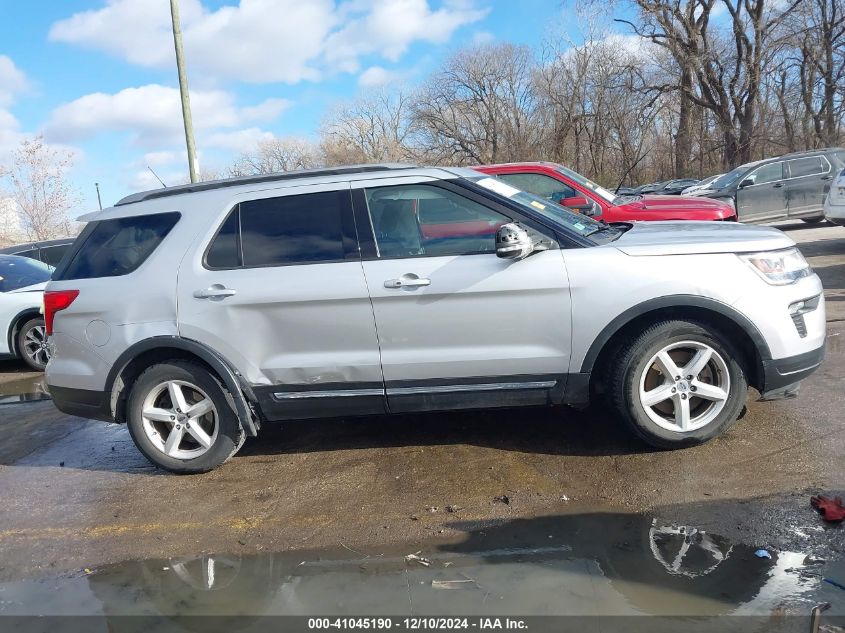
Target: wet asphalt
x=565 y=492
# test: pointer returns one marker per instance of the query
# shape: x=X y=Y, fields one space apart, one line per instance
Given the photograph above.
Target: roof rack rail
x=813 y=151
x=260 y=178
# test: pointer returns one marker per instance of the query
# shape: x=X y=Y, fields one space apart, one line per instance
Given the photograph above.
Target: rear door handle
x=777 y=185
x=408 y=280
x=214 y=291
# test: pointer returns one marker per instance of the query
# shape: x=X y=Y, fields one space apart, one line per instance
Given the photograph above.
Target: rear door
x=279 y=291
x=765 y=198
x=807 y=185
x=459 y=327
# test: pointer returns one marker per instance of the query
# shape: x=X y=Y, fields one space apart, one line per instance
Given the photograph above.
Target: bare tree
x=36 y=180
x=480 y=107
x=812 y=70
x=376 y=127
x=275 y=155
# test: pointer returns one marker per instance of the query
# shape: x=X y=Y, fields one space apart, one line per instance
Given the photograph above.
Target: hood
x=689 y=238
x=666 y=203
x=33 y=288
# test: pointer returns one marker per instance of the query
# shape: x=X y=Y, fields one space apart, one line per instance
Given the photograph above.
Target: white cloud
x=237 y=141
x=376 y=76
x=12 y=81
x=391 y=26
x=152 y=113
x=157 y=159
x=482 y=37
x=265 y=40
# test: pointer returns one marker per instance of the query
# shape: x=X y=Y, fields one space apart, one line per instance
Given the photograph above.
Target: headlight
x=779 y=267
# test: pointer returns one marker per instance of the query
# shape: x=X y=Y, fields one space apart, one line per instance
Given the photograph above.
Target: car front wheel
x=180 y=419
x=678 y=384
x=32 y=344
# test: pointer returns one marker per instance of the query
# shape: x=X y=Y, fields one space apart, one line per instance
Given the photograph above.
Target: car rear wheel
x=180 y=418
x=32 y=344
x=678 y=383
x=817 y=220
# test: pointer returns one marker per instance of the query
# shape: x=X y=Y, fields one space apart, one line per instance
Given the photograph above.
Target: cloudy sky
x=99 y=77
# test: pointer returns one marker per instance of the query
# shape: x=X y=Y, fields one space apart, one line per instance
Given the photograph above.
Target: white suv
x=196 y=314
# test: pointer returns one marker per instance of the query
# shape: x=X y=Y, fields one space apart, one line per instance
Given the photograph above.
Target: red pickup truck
x=570 y=189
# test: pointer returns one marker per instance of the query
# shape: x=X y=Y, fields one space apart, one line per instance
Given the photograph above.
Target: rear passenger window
x=117 y=247
x=225 y=250
x=807 y=166
x=301 y=229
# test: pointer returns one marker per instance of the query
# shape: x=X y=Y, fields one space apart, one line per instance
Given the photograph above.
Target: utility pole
x=99 y=199
x=183 y=91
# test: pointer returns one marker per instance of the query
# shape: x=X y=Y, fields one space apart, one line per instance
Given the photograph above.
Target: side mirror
x=745 y=183
x=580 y=204
x=513 y=242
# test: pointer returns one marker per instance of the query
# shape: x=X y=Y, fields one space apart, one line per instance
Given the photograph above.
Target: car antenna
x=156 y=175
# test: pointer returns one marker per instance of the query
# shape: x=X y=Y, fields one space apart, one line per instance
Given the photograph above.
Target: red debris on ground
x=830 y=509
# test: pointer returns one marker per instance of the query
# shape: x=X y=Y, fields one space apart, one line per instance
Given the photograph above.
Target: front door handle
x=214 y=291
x=777 y=185
x=408 y=280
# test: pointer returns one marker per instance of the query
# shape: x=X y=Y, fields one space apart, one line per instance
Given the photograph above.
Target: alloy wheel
x=684 y=386
x=180 y=419
x=35 y=345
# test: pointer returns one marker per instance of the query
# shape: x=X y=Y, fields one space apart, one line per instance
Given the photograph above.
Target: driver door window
x=427 y=221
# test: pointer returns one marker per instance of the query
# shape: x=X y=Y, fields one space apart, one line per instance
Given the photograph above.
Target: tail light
x=55 y=301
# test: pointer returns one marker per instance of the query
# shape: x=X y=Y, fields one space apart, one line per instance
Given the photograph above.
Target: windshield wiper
x=599 y=229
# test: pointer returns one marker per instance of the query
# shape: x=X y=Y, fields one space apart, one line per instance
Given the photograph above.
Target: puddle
x=579 y=565
x=29 y=389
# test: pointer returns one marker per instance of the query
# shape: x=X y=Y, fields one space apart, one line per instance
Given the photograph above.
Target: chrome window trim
x=783 y=163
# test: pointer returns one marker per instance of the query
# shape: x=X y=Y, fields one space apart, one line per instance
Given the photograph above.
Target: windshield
x=19 y=272
x=732 y=176
x=559 y=215
x=586 y=182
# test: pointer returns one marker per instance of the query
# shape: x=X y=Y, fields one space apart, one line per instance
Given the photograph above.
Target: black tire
x=26 y=339
x=627 y=369
x=818 y=220
x=230 y=435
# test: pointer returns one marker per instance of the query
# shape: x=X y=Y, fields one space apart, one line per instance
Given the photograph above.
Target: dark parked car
x=625 y=191
x=675 y=187
x=653 y=187
x=49 y=251
x=790 y=186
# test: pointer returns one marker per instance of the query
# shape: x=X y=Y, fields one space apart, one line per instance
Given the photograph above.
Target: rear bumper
x=782 y=375
x=82 y=402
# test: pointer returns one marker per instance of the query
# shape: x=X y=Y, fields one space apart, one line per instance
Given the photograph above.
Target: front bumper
x=782 y=375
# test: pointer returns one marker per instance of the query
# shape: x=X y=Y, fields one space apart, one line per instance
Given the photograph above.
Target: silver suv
x=197 y=314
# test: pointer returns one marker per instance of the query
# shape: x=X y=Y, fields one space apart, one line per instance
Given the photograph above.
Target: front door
x=764 y=198
x=279 y=293
x=459 y=327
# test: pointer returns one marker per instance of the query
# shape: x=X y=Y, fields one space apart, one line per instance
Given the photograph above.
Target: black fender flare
x=240 y=391
x=674 y=301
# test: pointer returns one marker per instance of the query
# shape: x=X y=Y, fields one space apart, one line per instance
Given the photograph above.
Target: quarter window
x=807 y=166
x=115 y=247
x=540 y=185
x=422 y=220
